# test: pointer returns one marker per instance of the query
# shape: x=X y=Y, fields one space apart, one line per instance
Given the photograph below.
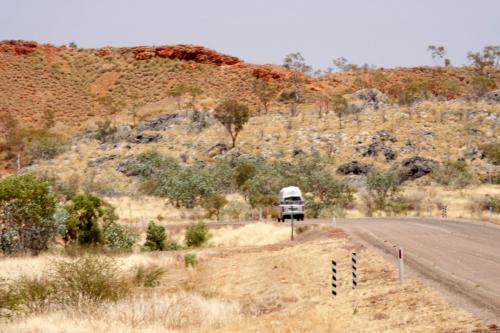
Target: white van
x=291 y=204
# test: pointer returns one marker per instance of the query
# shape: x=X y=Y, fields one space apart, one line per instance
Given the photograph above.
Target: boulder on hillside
x=416 y=167
x=492 y=96
x=371 y=97
x=144 y=138
x=378 y=145
x=354 y=168
x=218 y=149
x=158 y=123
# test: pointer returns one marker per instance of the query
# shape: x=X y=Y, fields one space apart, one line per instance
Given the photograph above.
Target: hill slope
x=83 y=85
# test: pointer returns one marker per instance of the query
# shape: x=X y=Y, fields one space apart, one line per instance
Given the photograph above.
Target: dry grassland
x=246 y=286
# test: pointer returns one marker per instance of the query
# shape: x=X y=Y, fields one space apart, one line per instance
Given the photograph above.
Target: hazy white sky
x=385 y=33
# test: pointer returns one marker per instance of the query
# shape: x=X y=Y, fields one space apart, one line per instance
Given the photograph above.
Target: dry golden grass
x=280 y=287
x=251 y=234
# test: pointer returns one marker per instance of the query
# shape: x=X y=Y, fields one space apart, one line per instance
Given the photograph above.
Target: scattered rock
x=354 y=168
x=389 y=154
x=409 y=147
x=144 y=138
x=492 y=96
x=371 y=97
x=98 y=161
x=296 y=152
x=416 y=167
x=158 y=123
x=218 y=149
x=123 y=166
x=472 y=153
x=384 y=136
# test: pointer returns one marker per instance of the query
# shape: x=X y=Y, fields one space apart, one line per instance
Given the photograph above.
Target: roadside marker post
x=491 y=214
x=334 y=220
x=444 y=212
x=334 y=278
x=401 y=266
x=354 y=273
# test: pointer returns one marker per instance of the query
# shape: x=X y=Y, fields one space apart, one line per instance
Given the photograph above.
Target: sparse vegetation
x=105 y=130
x=265 y=91
x=197 y=234
x=156 y=237
x=80 y=282
x=214 y=204
x=233 y=116
x=27 y=214
x=190 y=260
x=453 y=174
x=149 y=276
x=86 y=211
x=437 y=53
x=383 y=189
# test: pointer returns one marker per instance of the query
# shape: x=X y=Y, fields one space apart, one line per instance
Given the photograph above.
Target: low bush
x=492 y=152
x=197 y=234
x=398 y=206
x=119 y=237
x=85 y=212
x=190 y=259
x=105 y=130
x=382 y=187
x=214 y=204
x=155 y=237
x=485 y=203
x=453 y=174
x=27 y=208
x=148 y=276
x=90 y=279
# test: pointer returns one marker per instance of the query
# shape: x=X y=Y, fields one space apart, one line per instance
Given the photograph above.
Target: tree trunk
x=18 y=161
x=233 y=137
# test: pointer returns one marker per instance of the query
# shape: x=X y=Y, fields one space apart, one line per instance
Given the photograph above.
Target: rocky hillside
x=81 y=86
x=130 y=86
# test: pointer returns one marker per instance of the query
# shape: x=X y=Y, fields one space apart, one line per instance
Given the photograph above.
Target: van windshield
x=292 y=199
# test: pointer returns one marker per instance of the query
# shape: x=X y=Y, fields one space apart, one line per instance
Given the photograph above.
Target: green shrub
x=190 y=259
x=301 y=229
x=105 y=130
x=91 y=278
x=155 y=237
x=244 y=171
x=382 y=187
x=85 y=211
x=11 y=301
x=453 y=174
x=149 y=276
x=173 y=246
x=118 y=236
x=492 y=152
x=39 y=143
x=197 y=234
x=488 y=201
x=214 y=204
x=67 y=282
x=27 y=208
x=45 y=145
x=398 y=205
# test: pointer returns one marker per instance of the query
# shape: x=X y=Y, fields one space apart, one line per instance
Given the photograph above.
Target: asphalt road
x=460 y=259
